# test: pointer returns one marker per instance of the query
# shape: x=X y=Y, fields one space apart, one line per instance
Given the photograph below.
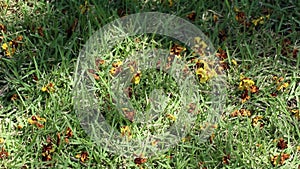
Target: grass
x=38 y=80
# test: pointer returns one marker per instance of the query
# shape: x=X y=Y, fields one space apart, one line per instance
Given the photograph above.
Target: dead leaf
x=140 y=160
x=2 y=28
x=3 y=154
x=58 y=139
x=72 y=28
x=14 y=97
x=295 y=52
x=192 y=16
x=93 y=72
x=47 y=150
x=40 y=31
x=225 y=159
x=282 y=144
x=245 y=96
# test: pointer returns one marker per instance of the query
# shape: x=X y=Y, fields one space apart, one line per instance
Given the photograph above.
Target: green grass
x=48 y=53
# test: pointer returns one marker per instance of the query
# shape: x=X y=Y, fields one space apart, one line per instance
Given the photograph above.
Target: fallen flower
x=241 y=112
x=279 y=159
x=47 y=151
x=171 y=117
x=282 y=144
x=83 y=156
x=48 y=88
x=296 y=113
x=34 y=120
x=256 y=121
x=126 y=132
x=1 y=140
x=140 y=160
x=137 y=77
x=246 y=83
x=3 y=154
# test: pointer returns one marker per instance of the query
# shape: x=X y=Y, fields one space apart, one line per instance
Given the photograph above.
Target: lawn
x=241 y=109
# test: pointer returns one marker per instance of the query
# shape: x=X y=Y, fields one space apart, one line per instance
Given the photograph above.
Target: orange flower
x=93 y=72
x=254 y=89
x=47 y=150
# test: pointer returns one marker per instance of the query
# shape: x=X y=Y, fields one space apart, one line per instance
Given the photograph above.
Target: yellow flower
x=48 y=88
x=154 y=143
x=200 y=71
x=4 y=46
x=44 y=89
x=125 y=131
x=1 y=140
x=84 y=8
x=40 y=119
x=234 y=62
x=113 y=70
x=241 y=112
x=296 y=113
x=11 y=52
x=137 y=78
x=186 y=139
x=197 y=40
x=283 y=86
x=246 y=83
x=171 y=117
x=256 y=120
x=170 y=3
x=8 y=51
x=260 y=20
x=202 y=74
x=35 y=120
x=117 y=64
x=116 y=68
